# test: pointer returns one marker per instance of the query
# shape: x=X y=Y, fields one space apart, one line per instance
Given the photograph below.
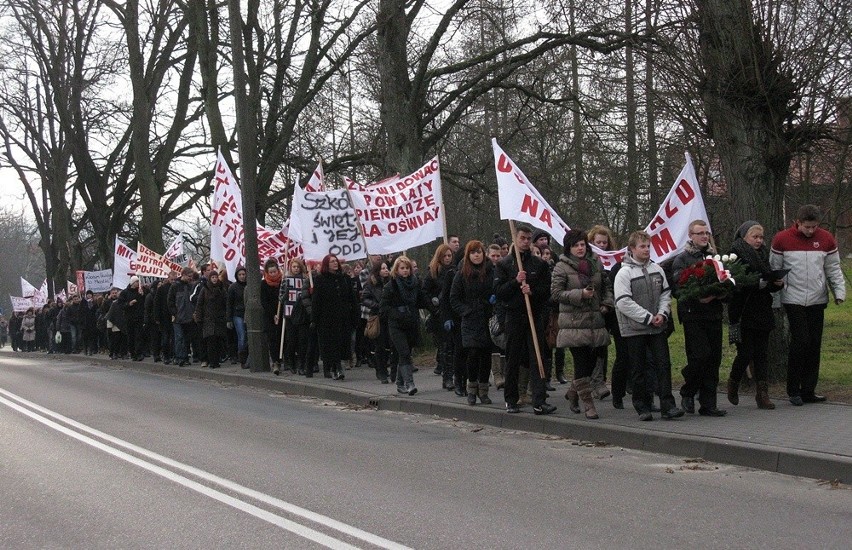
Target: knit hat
x=212 y=272
x=741 y=232
x=134 y=279
x=539 y=234
x=572 y=237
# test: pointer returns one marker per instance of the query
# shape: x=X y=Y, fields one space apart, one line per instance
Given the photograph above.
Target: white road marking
x=279 y=521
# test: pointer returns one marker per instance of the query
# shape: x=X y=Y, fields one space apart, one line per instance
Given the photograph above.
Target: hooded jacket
x=641 y=292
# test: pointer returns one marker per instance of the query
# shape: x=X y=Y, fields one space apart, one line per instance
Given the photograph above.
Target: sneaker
x=797 y=401
x=646 y=416
x=544 y=408
x=401 y=389
x=412 y=389
x=512 y=408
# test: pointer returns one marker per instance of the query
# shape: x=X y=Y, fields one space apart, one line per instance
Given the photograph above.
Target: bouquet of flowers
x=714 y=276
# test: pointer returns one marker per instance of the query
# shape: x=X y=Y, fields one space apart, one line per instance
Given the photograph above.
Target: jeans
x=182 y=334
x=242 y=335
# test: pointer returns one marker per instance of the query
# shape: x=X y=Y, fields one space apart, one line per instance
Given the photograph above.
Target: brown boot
x=762 y=396
x=523 y=386
x=584 y=390
x=497 y=371
x=733 y=391
x=483 y=393
x=573 y=398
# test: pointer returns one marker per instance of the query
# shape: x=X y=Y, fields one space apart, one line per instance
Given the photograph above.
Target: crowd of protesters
x=500 y=316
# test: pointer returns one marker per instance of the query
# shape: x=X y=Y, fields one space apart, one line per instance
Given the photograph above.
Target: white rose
x=734 y=257
x=725 y=258
x=717 y=257
x=709 y=257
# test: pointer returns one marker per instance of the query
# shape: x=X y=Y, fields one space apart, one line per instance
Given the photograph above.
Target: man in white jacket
x=643 y=308
x=811 y=256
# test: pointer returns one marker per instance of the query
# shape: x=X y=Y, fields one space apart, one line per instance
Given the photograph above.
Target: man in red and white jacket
x=810 y=253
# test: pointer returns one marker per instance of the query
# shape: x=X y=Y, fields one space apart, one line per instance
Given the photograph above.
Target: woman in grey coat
x=579 y=286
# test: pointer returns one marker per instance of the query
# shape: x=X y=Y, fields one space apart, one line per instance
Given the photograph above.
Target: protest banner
x=71 y=288
x=175 y=251
x=294 y=287
x=400 y=212
x=122 y=269
x=20 y=304
x=520 y=200
x=150 y=264
x=324 y=222
x=96 y=281
x=27 y=290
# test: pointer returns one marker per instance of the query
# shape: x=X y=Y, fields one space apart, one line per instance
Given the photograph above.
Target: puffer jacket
x=814 y=265
x=641 y=292
x=581 y=323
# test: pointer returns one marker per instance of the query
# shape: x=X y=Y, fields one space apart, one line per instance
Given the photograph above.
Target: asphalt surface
x=813 y=441
x=278 y=470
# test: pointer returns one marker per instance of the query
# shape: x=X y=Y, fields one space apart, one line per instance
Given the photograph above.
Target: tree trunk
x=631 y=219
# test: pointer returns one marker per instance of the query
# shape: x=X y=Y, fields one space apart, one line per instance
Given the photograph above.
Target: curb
x=770 y=458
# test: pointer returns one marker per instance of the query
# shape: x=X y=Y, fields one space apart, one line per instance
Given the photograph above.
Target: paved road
x=97 y=457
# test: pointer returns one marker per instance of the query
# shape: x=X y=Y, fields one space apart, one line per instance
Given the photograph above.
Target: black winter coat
x=401 y=312
x=210 y=310
x=332 y=305
x=469 y=299
x=236 y=306
x=508 y=290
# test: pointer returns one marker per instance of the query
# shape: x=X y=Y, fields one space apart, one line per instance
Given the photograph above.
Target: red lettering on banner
x=663 y=242
x=503 y=164
x=670 y=210
x=685 y=192
x=530 y=206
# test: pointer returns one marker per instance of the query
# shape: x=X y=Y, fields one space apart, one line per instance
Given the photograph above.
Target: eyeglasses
x=702 y=233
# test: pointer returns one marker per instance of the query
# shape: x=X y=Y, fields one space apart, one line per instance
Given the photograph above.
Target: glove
x=435 y=301
x=230 y=325
x=492 y=299
x=448 y=325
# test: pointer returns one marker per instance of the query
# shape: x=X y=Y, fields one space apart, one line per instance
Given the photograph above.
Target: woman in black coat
x=440 y=269
x=269 y=290
x=471 y=298
x=372 y=300
x=332 y=305
x=210 y=315
x=751 y=307
x=296 y=313
x=402 y=298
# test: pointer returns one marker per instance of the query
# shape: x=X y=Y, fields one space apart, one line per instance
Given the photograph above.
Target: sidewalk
x=812 y=441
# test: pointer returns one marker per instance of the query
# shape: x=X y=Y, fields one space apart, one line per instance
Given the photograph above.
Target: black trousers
x=520 y=351
x=478 y=364
x=703 y=357
x=214 y=345
x=584 y=361
x=806 y=323
x=620 y=367
x=648 y=356
x=752 y=349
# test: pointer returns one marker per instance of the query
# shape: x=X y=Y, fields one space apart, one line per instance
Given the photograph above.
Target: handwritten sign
x=324 y=223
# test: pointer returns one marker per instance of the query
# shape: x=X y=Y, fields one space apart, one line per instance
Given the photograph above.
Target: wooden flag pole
x=529 y=306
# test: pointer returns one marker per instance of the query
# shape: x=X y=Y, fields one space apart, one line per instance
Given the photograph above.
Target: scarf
x=273 y=280
x=408 y=287
x=695 y=250
x=758 y=260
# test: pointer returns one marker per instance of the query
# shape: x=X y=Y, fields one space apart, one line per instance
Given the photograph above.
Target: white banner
x=401 y=213
x=27 y=290
x=20 y=304
x=122 y=268
x=96 y=281
x=149 y=263
x=175 y=250
x=71 y=288
x=520 y=200
x=325 y=223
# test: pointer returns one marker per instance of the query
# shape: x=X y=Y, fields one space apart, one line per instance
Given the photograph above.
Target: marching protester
x=4 y=331
x=296 y=316
x=402 y=298
x=512 y=286
x=372 y=301
x=602 y=237
x=579 y=286
x=471 y=297
x=162 y=335
x=750 y=314
x=210 y=316
x=811 y=256
x=28 y=330
x=332 y=304
x=235 y=314
x=269 y=289
x=182 y=310
x=90 y=324
x=702 y=327
x=440 y=268
x=642 y=303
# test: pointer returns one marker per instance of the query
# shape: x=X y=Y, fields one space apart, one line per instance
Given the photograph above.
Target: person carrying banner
x=811 y=256
x=702 y=327
x=402 y=297
x=295 y=300
x=642 y=303
x=579 y=286
x=332 y=304
x=472 y=298
x=511 y=286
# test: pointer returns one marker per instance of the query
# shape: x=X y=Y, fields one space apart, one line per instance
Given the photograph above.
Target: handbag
x=373 y=327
